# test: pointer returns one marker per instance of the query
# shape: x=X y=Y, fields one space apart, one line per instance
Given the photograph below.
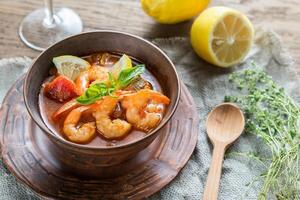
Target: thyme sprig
x=273 y=116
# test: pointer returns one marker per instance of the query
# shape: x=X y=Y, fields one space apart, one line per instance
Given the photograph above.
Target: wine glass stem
x=49 y=19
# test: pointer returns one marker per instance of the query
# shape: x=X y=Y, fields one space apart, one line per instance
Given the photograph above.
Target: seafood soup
x=101 y=100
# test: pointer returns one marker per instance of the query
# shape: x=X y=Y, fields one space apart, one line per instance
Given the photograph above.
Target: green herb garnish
x=95 y=92
x=128 y=75
x=273 y=116
x=98 y=90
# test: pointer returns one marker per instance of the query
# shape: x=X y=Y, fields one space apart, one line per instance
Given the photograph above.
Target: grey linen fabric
x=208 y=85
x=10 y=70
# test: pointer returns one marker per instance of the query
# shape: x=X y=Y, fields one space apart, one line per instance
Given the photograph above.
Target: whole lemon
x=173 y=11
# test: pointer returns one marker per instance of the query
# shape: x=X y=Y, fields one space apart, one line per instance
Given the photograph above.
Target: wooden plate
x=24 y=151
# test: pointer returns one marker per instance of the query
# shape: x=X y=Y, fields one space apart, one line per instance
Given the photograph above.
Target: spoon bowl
x=225 y=123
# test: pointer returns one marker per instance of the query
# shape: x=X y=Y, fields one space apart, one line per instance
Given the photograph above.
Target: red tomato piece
x=61 y=89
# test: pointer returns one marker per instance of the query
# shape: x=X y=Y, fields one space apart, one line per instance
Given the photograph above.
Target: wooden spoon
x=225 y=123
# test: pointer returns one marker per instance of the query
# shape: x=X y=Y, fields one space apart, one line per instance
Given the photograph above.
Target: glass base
x=38 y=34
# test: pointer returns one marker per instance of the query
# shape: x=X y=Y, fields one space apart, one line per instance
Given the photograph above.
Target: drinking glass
x=45 y=26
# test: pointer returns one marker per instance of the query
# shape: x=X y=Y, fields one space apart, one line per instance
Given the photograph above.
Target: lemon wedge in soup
x=222 y=36
x=70 y=66
x=123 y=63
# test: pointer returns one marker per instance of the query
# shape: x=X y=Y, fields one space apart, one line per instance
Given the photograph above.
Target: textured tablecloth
x=208 y=85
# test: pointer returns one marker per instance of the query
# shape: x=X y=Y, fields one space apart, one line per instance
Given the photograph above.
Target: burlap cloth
x=208 y=85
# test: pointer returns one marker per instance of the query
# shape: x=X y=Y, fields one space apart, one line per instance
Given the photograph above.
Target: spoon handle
x=214 y=174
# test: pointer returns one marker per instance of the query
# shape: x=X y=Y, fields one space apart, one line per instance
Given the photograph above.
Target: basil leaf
x=94 y=93
x=128 y=75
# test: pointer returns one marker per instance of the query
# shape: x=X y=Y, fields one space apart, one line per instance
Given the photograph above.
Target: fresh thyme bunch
x=273 y=116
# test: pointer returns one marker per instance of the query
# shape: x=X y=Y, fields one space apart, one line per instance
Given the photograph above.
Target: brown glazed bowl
x=75 y=157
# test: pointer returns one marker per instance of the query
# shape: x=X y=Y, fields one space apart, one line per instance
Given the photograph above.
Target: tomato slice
x=61 y=89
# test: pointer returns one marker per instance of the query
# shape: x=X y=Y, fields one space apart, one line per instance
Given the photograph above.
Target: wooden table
x=127 y=15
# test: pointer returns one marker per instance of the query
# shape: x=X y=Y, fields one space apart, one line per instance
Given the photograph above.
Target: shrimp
x=95 y=73
x=109 y=128
x=75 y=133
x=144 y=108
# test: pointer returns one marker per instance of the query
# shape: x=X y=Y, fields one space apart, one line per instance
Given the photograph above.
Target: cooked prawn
x=85 y=78
x=75 y=133
x=144 y=108
x=109 y=128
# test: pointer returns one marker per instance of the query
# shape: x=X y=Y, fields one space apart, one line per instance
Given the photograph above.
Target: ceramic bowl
x=75 y=157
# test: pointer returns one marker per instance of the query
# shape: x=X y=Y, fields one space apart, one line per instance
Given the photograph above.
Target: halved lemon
x=222 y=36
x=70 y=66
x=123 y=63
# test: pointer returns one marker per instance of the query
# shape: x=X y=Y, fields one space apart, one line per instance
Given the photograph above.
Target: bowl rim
x=54 y=136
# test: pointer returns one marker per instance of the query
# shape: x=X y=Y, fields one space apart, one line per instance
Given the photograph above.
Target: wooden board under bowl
x=24 y=152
